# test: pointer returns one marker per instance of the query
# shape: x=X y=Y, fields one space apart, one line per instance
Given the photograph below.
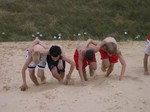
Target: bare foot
x=43 y=80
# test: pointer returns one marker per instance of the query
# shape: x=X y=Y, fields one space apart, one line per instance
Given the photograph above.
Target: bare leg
x=92 y=68
x=145 y=62
x=62 y=74
x=41 y=75
x=110 y=69
x=56 y=74
x=33 y=77
x=105 y=64
x=84 y=75
x=103 y=68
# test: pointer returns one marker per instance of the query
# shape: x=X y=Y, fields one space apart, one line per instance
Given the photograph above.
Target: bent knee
x=54 y=71
x=93 y=67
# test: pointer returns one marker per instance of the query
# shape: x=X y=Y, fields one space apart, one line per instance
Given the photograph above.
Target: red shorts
x=85 y=61
x=104 y=55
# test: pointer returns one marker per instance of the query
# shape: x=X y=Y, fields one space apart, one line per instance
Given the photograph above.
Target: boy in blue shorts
x=34 y=58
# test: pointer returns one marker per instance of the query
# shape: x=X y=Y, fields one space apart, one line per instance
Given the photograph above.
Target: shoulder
x=119 y=52
x=110 y=39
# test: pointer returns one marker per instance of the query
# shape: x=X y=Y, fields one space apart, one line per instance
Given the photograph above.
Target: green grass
x=19 y=19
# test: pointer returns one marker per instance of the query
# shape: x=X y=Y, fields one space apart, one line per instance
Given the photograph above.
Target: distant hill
x=74 y=19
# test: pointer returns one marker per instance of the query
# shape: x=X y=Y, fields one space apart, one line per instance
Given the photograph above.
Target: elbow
x=124 y=64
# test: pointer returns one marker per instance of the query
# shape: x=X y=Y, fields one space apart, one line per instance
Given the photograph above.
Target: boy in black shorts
x=56 y=63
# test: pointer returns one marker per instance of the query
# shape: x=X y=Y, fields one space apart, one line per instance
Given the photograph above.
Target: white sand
x=132 y=94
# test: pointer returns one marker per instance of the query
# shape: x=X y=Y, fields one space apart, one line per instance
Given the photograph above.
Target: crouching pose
x=110 y=53
x=56 y=60
x=34 y=58
x=85 y=55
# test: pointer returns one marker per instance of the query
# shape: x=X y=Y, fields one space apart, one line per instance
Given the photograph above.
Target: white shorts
x=147 y=49
x=41 y=64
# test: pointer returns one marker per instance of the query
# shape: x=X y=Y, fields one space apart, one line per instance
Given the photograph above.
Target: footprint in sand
x=6 y=88
x=133 y=78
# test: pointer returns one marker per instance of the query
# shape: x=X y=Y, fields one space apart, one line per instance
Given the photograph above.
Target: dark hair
x=89 y=54
x=55 y=51
x=111 y=48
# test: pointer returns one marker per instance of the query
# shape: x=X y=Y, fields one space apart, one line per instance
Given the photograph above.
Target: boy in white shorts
x=147 y=53
x=34 y=57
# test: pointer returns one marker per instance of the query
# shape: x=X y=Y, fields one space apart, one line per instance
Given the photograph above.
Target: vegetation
x=20 y=20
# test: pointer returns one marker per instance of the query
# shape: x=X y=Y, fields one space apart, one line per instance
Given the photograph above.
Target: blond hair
x=111 y=48
x=36 y=57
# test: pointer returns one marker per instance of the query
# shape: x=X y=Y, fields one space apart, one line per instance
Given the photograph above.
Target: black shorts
x=51 y=64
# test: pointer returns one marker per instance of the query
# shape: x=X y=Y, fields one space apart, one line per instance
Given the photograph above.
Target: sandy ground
x=102 y=94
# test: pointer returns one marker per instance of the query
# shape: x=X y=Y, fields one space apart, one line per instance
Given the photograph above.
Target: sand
x=132 y=94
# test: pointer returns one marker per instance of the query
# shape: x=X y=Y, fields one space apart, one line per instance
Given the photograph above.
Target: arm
x=72 y=66
x=68 y=61
x=98 y=46
x=123 y=63
x=80 y=67
x=43 y=44
x=90 y=41
x=25 y=66
x=37 y=41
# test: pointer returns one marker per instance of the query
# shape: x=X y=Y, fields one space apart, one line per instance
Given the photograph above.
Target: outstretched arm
x=80 y=70
x=25 y=66
x=91 y=41
x=123 y=63
x=72 y=66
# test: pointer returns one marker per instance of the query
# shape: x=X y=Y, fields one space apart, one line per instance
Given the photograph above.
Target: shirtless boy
x=33 y=59
x=110 y=53
x=56 y=59
x=85 y=55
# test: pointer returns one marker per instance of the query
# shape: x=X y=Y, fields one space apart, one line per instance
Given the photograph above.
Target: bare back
x=110 y=40
x=83 y=46
x=39 y=48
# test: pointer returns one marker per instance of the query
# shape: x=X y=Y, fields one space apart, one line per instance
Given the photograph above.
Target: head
x=36 y=57
x=111 y=48
x=55 y=52
x=89 y=54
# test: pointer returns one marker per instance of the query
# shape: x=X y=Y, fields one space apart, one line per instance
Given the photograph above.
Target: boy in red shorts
x=110 y=54
x=84 y=56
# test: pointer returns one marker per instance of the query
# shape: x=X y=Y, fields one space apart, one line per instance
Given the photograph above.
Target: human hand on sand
x=83 y=83
x=69 y=82
x=23 y=87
